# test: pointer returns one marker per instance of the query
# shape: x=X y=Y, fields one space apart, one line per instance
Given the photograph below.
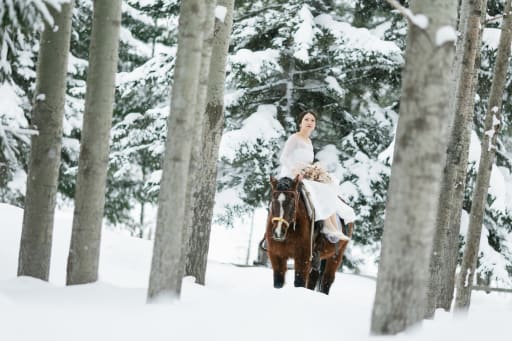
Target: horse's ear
x=273 y=182
x=296 y=182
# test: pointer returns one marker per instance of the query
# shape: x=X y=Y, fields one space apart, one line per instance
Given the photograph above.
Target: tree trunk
x=203 y=209
x=444 y=256
x=195 y=171
x=416 y=175
x=43 y=172
x=492 y=126
x=84 y=251
x=167 y=267
x=445 y=297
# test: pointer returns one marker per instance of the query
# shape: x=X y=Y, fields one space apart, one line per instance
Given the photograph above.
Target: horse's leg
x=331 y=265
x=279 y=268
x=314 y=274
x=302 y=267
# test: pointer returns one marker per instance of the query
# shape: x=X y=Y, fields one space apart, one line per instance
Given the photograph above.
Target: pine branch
x=9 y=152
x=255 y=13
x=495 y=18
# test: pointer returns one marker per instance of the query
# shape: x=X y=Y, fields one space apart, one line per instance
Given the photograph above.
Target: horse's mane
x=284 y=184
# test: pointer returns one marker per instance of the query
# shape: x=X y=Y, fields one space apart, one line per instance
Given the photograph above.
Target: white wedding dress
x=298 y=154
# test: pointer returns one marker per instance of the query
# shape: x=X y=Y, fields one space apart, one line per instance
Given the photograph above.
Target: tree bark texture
x=84 y=251
x=195 y=172
x=444 y=256
x=43 y=171
x=167 y=267
x=416 y=174
x=491 y=131
x=212 y=132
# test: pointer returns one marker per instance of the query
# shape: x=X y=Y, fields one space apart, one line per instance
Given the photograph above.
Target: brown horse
x=288 y=235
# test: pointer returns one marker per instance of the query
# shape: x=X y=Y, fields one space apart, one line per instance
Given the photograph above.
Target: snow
x=498 y=184
x=220 y=12
x=12 y=120
x=333 y=84
x=255 y=61
x=261 y=125
x=491 y=37
x=237 y=303
x=488 y=259
x=419 y=20
x=446 y=34
x=11 y=104
x=360 y=38
x=137 y=47
x=303 y=37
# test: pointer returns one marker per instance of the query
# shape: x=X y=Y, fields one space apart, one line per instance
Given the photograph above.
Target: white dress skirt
x=298 y=154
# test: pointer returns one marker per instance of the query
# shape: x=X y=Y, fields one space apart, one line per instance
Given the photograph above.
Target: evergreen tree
x=288 y=56
x=139 y=122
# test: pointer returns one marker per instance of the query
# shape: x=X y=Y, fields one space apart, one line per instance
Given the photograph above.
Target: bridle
x=296 y=205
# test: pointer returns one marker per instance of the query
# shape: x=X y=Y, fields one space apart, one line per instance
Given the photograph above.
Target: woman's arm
x=286 y=155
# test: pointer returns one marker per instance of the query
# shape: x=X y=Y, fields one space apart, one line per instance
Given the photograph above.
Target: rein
x=281 y=220
x=296 y=204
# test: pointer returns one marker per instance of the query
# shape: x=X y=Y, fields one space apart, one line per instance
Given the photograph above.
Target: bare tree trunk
x=195 y=170
x=290 y=86
x=249 y=242
x=444 y=256
x=84 y=251
x=416 y=175
x=43 y=172
x=167 y=267
x=492 y=126
x=212 y=132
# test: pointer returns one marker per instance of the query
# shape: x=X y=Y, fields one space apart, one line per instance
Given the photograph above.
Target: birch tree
x=43 y=171
x=416 y=173
x=213 y=122
x=167 y=266
x=195 y=172
x=488 y=153
x=84 y=251
x=444 y=256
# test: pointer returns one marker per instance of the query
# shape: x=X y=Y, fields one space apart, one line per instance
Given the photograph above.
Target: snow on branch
x=420 y=20
x=220 y=13
x=446 y=34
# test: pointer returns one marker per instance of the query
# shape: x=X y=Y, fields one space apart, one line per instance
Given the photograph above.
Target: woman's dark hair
x=304 y=113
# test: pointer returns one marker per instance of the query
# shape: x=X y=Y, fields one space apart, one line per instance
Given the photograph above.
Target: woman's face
x=308 y=123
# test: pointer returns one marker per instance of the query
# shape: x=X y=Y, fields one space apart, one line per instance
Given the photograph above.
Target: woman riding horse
x=303 y=243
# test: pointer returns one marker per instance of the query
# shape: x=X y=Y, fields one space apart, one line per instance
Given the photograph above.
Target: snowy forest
x=162 y=119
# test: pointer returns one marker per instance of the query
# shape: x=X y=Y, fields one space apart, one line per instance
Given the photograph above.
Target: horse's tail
x=262 y=244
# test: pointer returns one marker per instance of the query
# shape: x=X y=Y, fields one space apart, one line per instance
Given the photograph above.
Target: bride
x=297 y=159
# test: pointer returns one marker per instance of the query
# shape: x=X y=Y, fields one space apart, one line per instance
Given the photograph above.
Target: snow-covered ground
x=237 y=303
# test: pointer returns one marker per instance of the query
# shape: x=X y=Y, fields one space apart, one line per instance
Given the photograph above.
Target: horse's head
x=283 y=206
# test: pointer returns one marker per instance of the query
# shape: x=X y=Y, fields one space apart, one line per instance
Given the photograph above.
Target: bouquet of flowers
x=316 y=172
